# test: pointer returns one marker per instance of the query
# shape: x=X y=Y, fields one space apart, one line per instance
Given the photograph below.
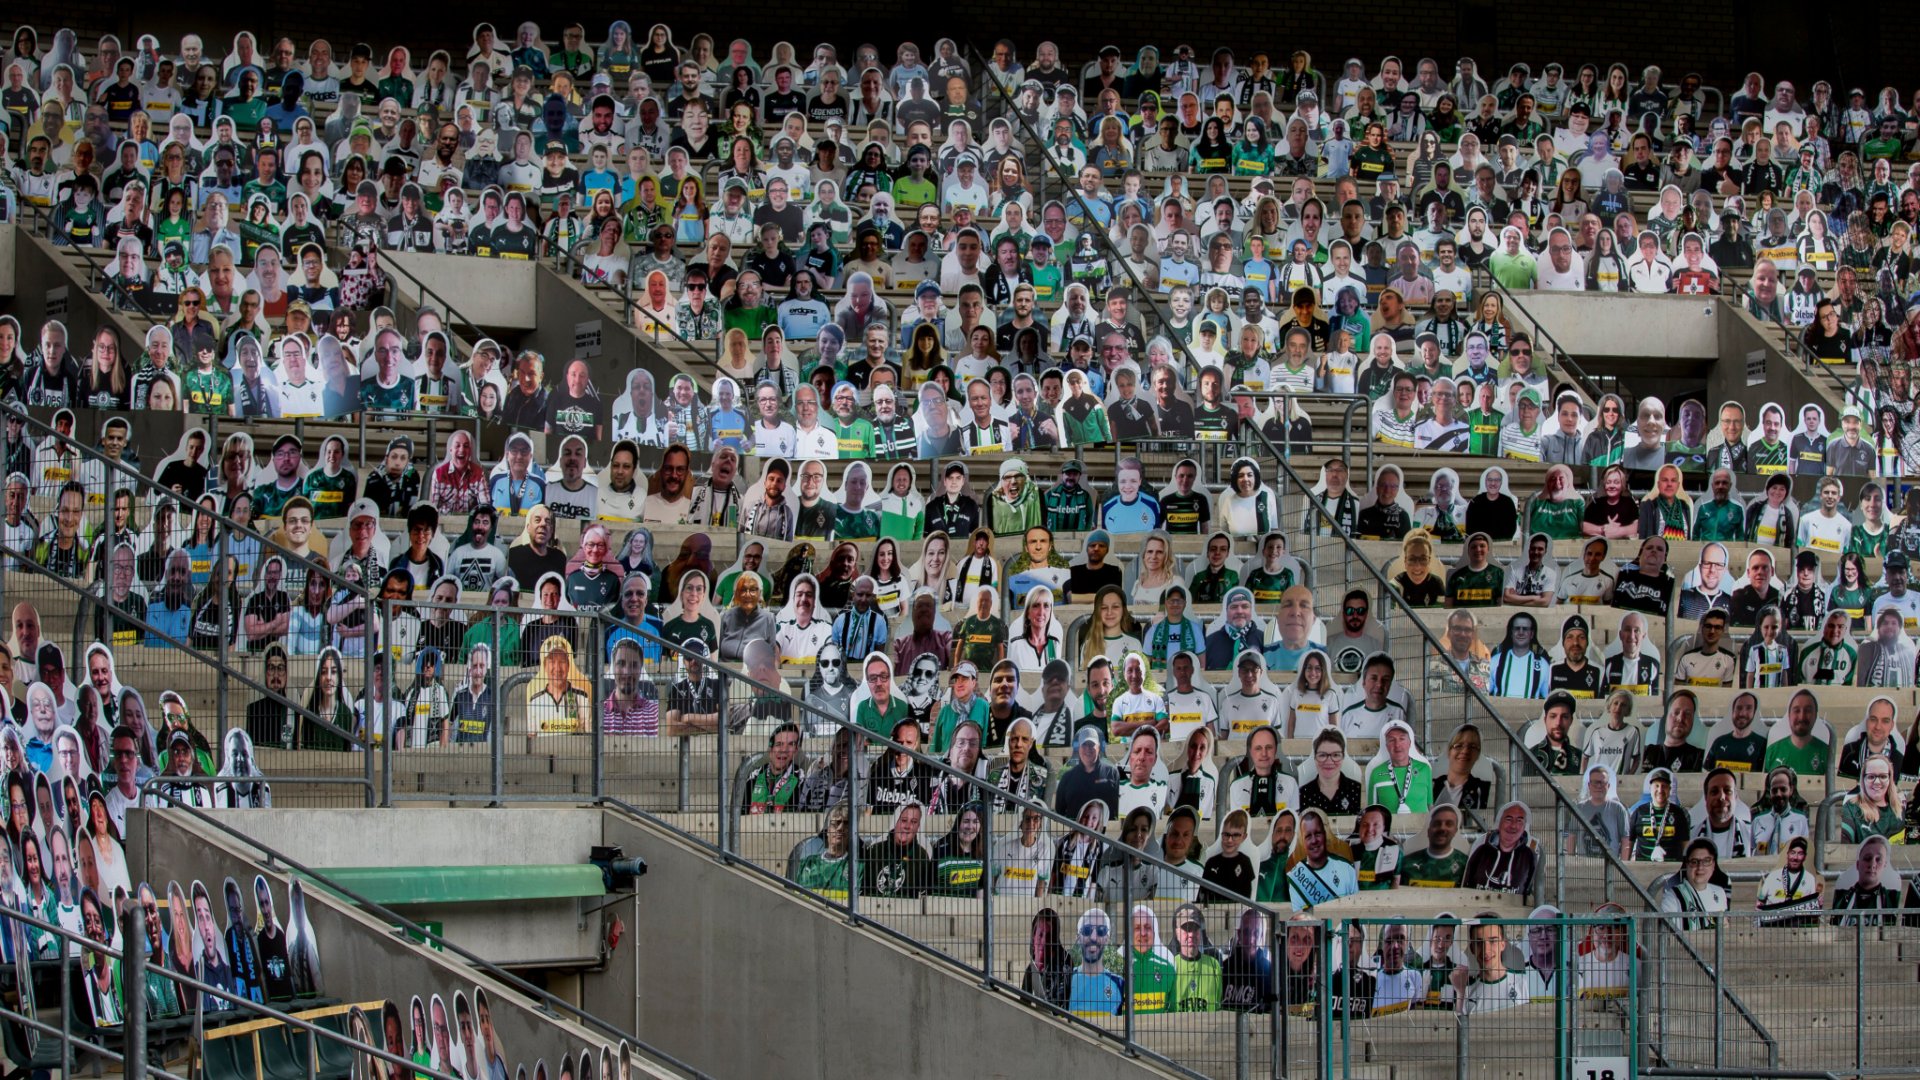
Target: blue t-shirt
x=729 y=429
x=1281 y=658
x=1141 y=515
x=599 y=180
x=649 y=650
x=1096 y=995
x=518 y=498
x=172 y=623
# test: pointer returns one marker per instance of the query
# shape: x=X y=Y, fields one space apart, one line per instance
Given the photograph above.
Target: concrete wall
x=1627 y=325
x=38 y=282
x=360 y=957
x=42 y=283
x=825 y=1000
x=522 y=933
x=1787 y=383
x=499 y=292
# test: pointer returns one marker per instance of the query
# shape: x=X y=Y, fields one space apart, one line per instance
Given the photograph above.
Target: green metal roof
x=392 y=885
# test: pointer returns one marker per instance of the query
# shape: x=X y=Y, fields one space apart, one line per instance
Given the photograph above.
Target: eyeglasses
x=1703 y=860
x=1327 y=755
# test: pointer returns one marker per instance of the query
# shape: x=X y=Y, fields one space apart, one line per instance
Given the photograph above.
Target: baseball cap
x=1189 y=915
x=1807 y=560
x=1087 y=734
x=1530 y=394
x=363 y=508
x=556 y=146
x=926 y=287
x=1895 y=560
x=1074 y=466
x=966 y=670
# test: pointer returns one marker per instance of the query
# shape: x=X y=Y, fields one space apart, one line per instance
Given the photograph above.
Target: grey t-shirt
x=1608 y=819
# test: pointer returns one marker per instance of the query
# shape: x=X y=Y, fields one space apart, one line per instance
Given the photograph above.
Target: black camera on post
x=616 y=869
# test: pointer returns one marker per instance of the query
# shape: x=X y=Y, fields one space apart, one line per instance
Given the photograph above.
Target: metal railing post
x=686 y=772
x=385 y=720
x=1559 y=857
x=1241 y=1066
x=986 y=892
x=856 y=751
x=133 y=986
x=1346 y=1000
x=722 y=797
x=66 y=1008
x=1859 y=994
x=1565 y=1017
x=1280 y=1040
x=1462 y=1040
x=1660 y=993
x=1126 y=947
x=1323 y=1019
x=497 y=722
x=1719 y=951
x=596 y=665
x=227 y=620
x=370 y=625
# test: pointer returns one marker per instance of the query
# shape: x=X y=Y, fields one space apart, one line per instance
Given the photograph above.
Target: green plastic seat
x=230 y=1058
x=335 y=1058
x=283 y=1053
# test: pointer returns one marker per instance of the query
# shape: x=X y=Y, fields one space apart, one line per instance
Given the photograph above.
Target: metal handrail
x=1561 y=356
x=1563 y=805
x=728 y=817
x=1147 y=298
x=87 y=596
x=1355 y=403
x=415 y=930
x=1795 y=347
x=134 y=967
x=141 y=482
x=446 y=308
x=573 y=261
x=97 y=273
x=887 y=745
x=1823 y=826
x=985 y=971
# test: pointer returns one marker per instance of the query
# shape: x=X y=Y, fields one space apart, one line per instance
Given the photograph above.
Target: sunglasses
x=1093 y=931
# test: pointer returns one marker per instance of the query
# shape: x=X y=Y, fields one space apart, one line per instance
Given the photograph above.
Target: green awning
x=392 y=885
